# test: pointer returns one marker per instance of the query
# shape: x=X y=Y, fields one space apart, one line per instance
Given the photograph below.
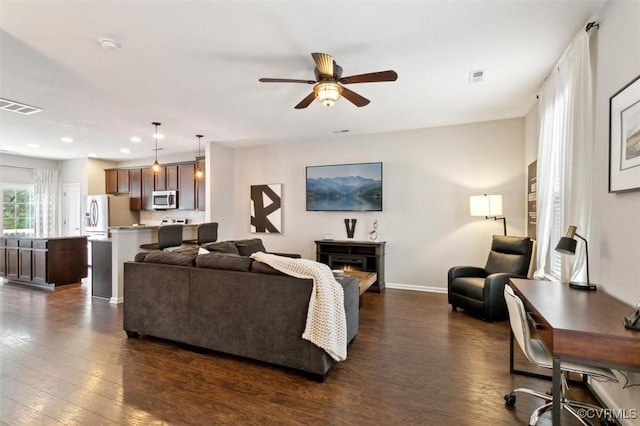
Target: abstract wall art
x=266 y=208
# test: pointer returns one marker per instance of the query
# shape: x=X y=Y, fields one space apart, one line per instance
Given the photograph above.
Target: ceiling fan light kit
x=327 y=86
x=327 y=93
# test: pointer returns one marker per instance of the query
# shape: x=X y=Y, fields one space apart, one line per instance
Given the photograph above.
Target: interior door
x=72 y=209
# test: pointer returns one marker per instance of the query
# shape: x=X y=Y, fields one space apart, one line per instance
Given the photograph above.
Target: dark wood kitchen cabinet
x=111 y=181
x=135 y=189
x=160 y=179
x=172 y=177
x=186 y=186
x=148 y=185
x=123 y=181
x=46 y=261
x=140 y=183
x=116 y=181
x=12 y=259
x=24 y=260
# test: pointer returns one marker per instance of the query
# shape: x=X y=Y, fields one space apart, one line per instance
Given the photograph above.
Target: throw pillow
x=229 y=262
x=202 y=250
x=248 y=247
x=227 y=247
x=140 y=256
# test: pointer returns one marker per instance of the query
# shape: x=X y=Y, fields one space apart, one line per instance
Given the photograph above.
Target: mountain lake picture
x=345 y=187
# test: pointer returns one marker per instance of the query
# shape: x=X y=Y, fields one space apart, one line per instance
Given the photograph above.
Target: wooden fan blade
x=285 y=80
x=306 y=101
x=324 y=63
x=371 y=77
x=354 y=98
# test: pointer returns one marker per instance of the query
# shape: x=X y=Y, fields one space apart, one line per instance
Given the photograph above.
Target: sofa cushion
x=227 y=247
x=229 y=262
x=263 y=268
x=248 y=247
x=169 y=258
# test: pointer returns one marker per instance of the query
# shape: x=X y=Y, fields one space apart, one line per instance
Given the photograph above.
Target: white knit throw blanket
x=326 y=319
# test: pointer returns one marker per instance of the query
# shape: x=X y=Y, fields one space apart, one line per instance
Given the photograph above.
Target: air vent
x=476 y=76
x=18 y=107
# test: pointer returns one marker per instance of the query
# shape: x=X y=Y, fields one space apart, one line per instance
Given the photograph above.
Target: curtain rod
x=591 y=25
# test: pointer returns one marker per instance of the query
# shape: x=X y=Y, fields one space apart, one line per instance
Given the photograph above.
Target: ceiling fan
x=328 y=82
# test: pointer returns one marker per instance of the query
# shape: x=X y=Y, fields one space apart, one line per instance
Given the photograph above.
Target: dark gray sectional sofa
x=230 y=303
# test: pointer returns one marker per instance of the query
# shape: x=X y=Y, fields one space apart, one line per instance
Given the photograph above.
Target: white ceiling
x=194 y=67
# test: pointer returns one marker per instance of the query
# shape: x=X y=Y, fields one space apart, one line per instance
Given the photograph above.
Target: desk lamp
x=567 y=245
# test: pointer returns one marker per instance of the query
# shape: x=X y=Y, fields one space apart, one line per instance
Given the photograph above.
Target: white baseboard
x=116 y=300
x=413 y=287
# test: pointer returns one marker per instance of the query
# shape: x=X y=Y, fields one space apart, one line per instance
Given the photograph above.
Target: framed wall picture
x=345 y=187
x=266 y=208
x=624 y=138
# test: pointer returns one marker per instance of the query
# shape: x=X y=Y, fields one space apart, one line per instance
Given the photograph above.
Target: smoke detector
x=476 y=76
x=109 y=44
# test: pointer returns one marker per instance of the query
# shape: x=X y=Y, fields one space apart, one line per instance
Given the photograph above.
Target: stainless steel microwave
x=163 y=200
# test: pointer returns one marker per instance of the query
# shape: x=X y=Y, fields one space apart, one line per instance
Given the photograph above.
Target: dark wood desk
x=581 y=326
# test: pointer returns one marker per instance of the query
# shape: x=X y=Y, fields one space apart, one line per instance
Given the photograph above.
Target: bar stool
x=168 y=236
x=207 y=233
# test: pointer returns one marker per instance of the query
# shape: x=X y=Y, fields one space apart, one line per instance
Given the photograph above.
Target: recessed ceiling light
x=136 y=139
x=93 y=155
x=34 y=145
x=109 y=44
x=66 y=140
x=125 y=150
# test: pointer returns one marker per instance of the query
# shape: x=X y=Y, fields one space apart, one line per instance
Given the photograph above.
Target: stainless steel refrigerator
x=103 y=211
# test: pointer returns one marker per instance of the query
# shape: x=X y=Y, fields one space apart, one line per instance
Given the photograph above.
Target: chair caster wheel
x=510 y=399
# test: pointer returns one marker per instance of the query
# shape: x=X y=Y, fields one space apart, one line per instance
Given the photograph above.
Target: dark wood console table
x=367 y=256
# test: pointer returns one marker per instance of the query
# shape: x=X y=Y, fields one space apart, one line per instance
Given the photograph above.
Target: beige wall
x=429 y=175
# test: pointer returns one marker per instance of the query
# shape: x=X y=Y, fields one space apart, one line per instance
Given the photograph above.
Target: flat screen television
x=345 y=187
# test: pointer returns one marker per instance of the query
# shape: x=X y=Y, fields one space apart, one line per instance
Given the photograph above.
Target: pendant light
x=155 y=167
x=199 y=172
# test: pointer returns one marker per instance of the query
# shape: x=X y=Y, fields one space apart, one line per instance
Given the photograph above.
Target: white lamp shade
x=485 y=205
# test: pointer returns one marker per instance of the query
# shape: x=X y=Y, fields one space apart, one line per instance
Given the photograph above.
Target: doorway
x=71 y=210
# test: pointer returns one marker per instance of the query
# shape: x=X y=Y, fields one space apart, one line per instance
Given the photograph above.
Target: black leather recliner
x=480 y=291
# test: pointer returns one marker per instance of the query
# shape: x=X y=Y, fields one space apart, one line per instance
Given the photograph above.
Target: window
x=556 y=117
x=17 y=209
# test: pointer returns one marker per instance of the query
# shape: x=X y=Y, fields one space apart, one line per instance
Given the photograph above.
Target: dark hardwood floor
x=64 y=359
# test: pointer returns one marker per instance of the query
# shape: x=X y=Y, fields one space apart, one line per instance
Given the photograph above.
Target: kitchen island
x=125 y=242
x=43 y=261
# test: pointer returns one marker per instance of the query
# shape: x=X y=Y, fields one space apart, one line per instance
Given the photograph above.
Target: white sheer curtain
x=565 y=157
x=46 y=187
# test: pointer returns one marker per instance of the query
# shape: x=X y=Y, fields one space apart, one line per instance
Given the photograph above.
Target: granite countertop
x=143 y=227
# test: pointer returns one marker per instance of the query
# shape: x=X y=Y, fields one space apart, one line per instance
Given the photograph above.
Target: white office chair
x=538 y=354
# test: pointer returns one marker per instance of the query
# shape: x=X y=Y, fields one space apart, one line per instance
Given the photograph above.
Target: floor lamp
x=489 y=206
